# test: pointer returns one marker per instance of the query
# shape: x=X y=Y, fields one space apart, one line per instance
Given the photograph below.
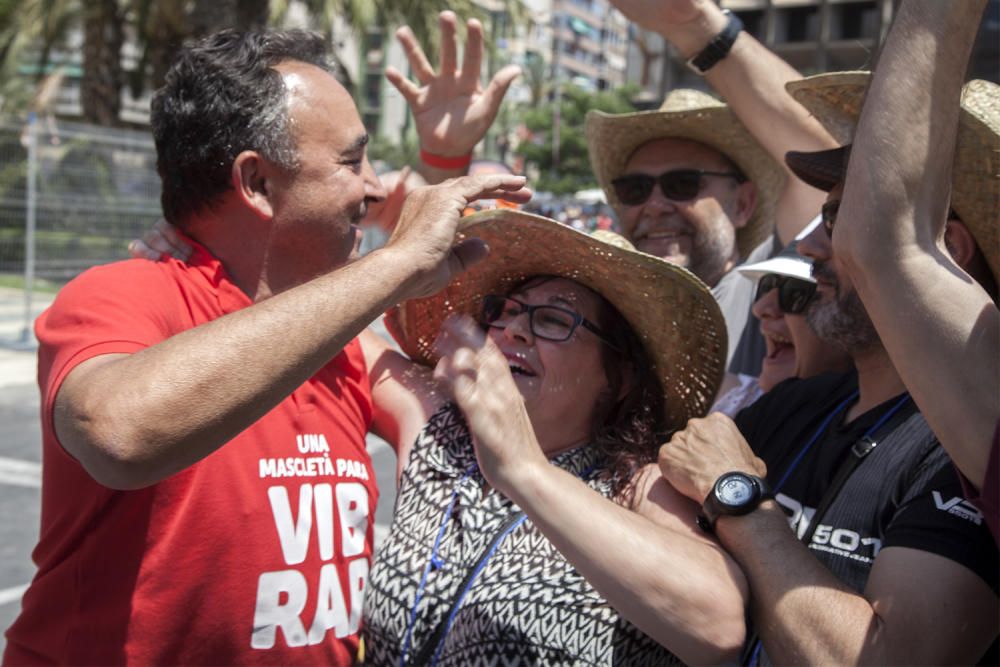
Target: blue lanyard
x=755 y=656
x=435 y=563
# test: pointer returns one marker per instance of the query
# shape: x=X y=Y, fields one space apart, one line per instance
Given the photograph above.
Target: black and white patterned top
x=528 y=605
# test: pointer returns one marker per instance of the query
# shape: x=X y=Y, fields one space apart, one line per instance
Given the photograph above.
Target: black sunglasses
x=794 y=294
x=678 y=185
x=548 y=322
x=828 y=214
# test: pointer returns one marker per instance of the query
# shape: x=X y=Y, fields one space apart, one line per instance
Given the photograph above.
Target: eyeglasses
x=794 y=294
x=678 y=185
x=828 y=215
x=548 y=322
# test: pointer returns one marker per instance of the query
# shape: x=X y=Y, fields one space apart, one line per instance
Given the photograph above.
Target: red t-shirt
x=257 y=554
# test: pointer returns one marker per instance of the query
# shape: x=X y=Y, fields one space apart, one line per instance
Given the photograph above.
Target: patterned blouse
x=527 y=606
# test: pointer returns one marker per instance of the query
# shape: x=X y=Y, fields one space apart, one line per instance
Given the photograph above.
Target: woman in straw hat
x=529 y=524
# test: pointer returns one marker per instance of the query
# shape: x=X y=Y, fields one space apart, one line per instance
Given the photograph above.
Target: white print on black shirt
x=839 y=541
x=959 y=507
x=282 y=595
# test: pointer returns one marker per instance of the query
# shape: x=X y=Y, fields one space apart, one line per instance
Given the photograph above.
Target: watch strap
x=711 y=509
x=718 y=48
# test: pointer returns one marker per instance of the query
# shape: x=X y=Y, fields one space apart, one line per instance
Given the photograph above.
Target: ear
x=959 y=243
x=251 y=175
x=745 y=204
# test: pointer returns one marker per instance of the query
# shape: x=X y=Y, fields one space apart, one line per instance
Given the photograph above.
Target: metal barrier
x=95 y=189
x=71 y=196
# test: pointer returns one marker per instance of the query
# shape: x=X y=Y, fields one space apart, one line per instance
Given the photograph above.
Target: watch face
x=735 y=490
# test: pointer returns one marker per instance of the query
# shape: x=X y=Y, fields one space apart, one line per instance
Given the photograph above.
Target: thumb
x=466 y=254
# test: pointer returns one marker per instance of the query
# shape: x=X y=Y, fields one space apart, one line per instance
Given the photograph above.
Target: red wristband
x=443 y=162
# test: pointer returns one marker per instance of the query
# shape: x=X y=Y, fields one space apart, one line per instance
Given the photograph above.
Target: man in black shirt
x=897 y=568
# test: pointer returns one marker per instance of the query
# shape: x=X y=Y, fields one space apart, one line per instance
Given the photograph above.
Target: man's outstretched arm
x=132 y=420
x=940 y=327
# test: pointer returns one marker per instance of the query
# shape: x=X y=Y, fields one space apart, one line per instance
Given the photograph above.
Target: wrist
x=692 y=36
x=445 y=160
x=733 y=531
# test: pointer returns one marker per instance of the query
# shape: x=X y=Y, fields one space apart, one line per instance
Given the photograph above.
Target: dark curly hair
x=628 y=431
x=223 y=96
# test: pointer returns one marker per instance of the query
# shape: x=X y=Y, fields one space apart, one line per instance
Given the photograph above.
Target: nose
x=519 y=328
x=766 y=307
x=374 y=190
x=659 y=201
x=816 y=246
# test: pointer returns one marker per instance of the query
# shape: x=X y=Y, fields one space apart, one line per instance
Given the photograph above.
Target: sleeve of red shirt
x=114 y=309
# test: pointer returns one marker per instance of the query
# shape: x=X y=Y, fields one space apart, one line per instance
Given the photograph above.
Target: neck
x=243 y=255
x=878 y=380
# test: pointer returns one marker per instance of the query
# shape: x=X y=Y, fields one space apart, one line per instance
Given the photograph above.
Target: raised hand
x=478 y=376
x=159 y=242
x=687 y=24
x=451 y=109
x=425 y=233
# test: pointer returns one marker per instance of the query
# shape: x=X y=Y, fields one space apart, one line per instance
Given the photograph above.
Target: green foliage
x=396 y=154
x=574 y=172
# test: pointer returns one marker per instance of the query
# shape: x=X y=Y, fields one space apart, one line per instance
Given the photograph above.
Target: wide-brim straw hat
x=669 y=308
x=836 y=100
x=696 y=116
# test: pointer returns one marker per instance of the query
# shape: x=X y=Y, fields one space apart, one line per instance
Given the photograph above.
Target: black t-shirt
x=905 y=493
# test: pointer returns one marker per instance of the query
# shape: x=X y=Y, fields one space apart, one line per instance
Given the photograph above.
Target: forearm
x=899 y=181
x=888 y=234
x=137 y=419
x=679 y=590
x=803 y=614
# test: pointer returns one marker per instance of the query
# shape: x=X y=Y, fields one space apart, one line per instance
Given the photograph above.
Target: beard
x=842 y=320
x=712 y=249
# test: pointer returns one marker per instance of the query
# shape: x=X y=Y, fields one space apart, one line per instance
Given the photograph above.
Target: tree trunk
x=101 y=83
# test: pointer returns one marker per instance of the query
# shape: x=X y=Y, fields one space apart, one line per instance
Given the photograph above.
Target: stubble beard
x=842 y=320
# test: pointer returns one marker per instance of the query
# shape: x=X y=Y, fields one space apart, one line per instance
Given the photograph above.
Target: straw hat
x=668 y=307
x=697 y=116
x=836 y=99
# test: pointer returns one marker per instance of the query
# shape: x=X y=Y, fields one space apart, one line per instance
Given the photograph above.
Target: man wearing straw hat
x=701 y=184
x=883 y=541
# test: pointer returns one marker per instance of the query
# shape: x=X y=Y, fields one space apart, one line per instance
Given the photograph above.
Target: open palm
x=451 y=109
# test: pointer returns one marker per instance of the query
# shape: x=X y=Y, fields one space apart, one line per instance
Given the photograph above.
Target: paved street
x=20 y=456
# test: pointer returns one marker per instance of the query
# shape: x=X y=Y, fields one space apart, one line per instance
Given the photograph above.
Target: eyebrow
x=357 y=144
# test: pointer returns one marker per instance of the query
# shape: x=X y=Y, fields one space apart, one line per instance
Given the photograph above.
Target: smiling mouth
x=516 y=369
x=778 y=346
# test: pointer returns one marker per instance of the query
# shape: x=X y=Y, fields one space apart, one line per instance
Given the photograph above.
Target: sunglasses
x=677 y=185
x=794 y=294
x=828 y=215
x=548 y=322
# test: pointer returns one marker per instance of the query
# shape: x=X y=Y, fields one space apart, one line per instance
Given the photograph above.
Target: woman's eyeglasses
x=678 y=185
x=794 y=294
x=548 y=322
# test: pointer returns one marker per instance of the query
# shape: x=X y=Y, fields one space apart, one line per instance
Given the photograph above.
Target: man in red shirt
x=207 y=497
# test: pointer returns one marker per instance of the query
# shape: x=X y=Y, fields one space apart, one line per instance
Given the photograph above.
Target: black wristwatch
x=734 y=494
x=718 y=48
